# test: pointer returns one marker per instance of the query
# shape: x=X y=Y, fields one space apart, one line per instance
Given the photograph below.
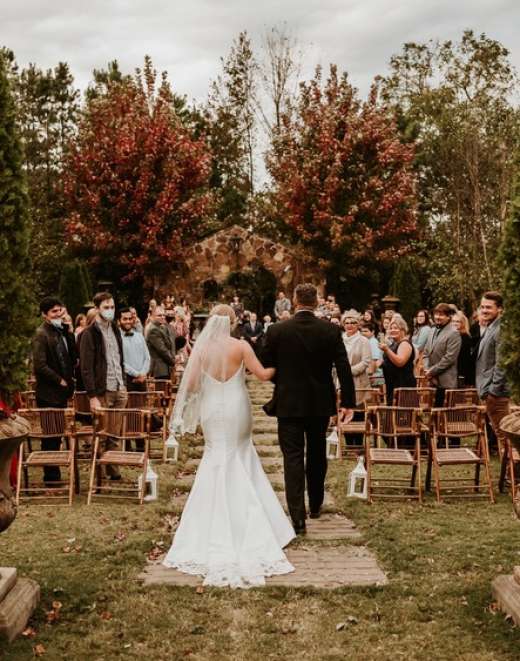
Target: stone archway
x=238 y=250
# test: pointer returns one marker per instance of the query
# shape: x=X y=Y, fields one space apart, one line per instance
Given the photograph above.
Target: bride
x=233 y=528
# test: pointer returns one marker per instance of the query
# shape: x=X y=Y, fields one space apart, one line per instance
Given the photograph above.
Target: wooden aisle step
x=327 y=567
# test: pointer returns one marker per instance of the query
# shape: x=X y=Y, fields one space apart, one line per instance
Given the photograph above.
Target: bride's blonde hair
x=225 y=311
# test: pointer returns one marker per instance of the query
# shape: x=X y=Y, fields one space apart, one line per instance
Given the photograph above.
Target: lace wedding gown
x=233 y=528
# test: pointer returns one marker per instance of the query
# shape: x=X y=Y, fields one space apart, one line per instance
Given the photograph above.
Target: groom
x=304 y=350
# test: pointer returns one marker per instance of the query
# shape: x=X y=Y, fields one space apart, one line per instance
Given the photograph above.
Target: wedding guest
x=237 y=306
x=376 y=371
x=398 y=358
x=137 y=324
x=285 y=315
x=102 y=366
x=79 y=324
x=466 y=360
x=421 y=331
x=360 y=359
x=160 y=346
x=282 y=304
x=441 y=353
x=254 y=332
x=267 y=322
x=490 y=377
x=54 y=358
x=135 y=353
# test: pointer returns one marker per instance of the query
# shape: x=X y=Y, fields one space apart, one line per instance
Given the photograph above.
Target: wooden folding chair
x=168 y=390
x=414 y=398
x=510 y=462
x=155 y=402
x=396 y=427
x=121 y=425
x=28 y=399
x=461 y=397
x=371 y=397
x=461 y=423
x=48 y=423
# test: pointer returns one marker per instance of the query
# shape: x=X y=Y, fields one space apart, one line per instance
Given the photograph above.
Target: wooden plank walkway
x=328 y=556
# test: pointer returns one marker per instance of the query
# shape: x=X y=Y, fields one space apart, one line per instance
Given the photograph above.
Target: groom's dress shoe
x=299 y=527
x=315 y=515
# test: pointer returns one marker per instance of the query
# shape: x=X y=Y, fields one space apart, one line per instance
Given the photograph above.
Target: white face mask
x=108 y=315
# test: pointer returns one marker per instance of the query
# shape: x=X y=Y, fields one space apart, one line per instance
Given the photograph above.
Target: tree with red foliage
x=136 y=181
x=343 y=181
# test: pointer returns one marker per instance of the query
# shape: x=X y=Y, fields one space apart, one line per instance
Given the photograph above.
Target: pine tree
x=510 y=326
x=74 y=289
x=16 y=303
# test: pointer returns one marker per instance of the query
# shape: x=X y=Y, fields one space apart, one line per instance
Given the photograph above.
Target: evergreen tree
x=16 y=304
x=74 y=289
x=406 y=285
x=510 y=326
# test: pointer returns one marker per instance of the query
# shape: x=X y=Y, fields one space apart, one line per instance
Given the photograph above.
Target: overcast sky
x=187 y=38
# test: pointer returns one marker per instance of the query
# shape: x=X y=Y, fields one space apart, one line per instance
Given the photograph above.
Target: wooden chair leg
x=19 y=475
x=487 y=469
x=93 y=468
x=511 y=465
x=503 y=469
x=418 y=457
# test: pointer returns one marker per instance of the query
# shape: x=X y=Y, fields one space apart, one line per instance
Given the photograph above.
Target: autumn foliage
x=136 y=179
x=343 y=182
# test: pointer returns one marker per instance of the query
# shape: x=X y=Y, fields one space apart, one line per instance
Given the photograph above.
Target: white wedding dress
x=233 y=528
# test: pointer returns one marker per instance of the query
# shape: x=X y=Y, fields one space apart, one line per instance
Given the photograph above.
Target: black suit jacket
x=52 y=362
x=304 y=350
x=250 y=332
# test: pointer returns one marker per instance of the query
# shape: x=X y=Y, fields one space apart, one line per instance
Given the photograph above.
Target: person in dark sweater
x=54 y=358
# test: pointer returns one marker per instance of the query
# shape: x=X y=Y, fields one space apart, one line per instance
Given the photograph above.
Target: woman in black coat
x=466 y=359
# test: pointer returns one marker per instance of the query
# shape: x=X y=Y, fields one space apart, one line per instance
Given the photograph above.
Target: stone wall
x=237 y=249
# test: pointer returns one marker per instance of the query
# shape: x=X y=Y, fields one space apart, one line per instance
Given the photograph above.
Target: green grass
x=440 y=561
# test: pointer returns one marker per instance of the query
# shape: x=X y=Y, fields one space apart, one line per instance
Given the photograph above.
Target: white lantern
x=171 y=446
x=150 y=486
x=333 y=448
x=357 y=481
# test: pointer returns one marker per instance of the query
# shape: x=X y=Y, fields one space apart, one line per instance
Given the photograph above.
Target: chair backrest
x=461 y=397
x=458 y=422
x=28 y=399
x=394 y=422
x=415 y=398
x=122 y=423
x=149 y=401
x=369 y=396
x=163 y=385
x=49 y=422
x=82 y=403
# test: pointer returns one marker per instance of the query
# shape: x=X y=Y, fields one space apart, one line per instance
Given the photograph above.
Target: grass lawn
x=440 y=561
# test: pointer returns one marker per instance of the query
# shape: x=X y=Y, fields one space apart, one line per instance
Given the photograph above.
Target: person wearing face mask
x=54 y=357
x=102 y=364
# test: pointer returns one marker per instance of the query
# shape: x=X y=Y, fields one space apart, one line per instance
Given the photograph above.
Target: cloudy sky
x=187 y=38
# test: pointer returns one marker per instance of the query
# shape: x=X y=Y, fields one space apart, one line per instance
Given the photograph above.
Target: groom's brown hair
x=306 y=295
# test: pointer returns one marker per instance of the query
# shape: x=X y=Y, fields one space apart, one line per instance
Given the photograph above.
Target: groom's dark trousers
x=304 y=350
x=292 y=433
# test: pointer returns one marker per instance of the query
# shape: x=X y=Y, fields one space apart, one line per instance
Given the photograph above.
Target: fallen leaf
x=39 y=650
x=352 y=620
x=493 y=607
x=52 y=616
x=57 y=605
x=199 y=589
x=105 y=615
x=67 y=549
x=29 y=632
x=71 y=540
x=340 y=626
x=120 y=536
